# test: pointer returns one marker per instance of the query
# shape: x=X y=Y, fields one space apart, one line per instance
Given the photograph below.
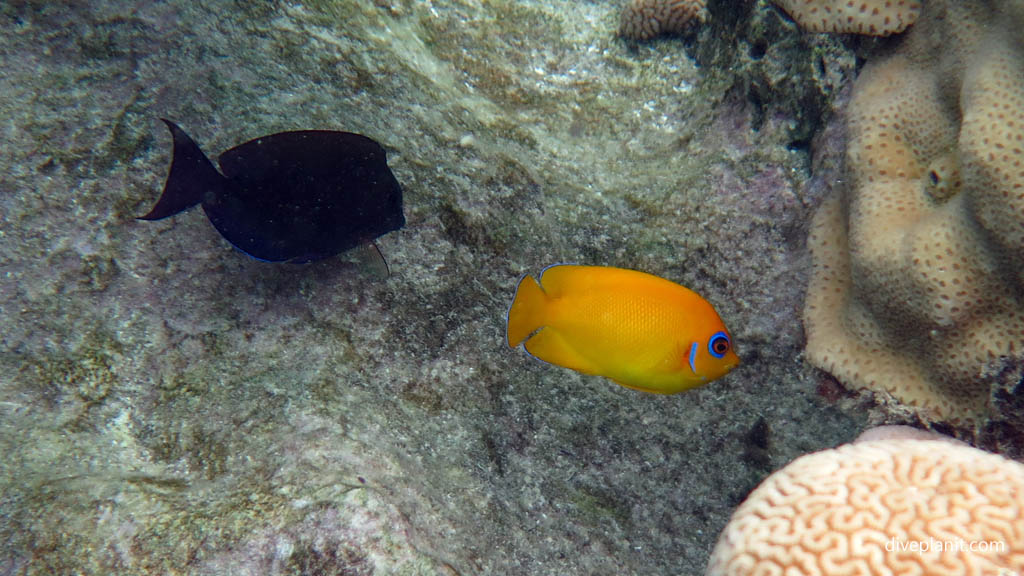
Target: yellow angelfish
x=641 y=331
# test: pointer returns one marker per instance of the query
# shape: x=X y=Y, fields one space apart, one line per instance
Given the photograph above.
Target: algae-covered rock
x=171 y=406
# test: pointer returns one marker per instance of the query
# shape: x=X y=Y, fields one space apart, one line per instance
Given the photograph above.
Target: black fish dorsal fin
x=192 y=176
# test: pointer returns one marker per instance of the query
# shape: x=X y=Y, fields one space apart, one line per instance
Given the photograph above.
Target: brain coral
x=897 y=505
x=919 y=261
x=645 y=19
x=872 y=17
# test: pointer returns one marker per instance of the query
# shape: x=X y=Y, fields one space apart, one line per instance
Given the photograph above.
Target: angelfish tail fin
x=527 y=312
x=191 y=177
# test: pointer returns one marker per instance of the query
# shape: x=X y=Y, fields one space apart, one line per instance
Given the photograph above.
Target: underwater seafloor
x=172 y=406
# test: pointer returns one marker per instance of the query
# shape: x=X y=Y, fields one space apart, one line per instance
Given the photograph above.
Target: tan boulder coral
x=900 y=504
x=919 y=260
x=645 y=19
x=871 y=17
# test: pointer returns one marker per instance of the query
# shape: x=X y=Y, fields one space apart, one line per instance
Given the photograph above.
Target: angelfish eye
x=718 y=345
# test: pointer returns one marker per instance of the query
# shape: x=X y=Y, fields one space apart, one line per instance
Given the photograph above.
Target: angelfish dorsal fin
x=192 y=176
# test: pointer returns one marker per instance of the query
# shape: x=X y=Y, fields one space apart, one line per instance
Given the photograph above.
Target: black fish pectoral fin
x=191 y=177
x=372 y=260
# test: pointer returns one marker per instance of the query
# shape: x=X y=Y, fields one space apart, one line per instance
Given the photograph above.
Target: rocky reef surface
x=172 y=406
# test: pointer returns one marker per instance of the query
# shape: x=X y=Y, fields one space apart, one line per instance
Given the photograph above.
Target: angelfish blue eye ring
x=718 y=344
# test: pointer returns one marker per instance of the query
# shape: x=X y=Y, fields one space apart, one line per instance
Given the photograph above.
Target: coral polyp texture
x=917 y=280
x=870 y=17
x=645 y=19
x=894 y=506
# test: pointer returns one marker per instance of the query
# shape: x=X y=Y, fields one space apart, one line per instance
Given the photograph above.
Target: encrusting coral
x=895 y=502
x=871 y=17
x=645 y=19
x=919 y=261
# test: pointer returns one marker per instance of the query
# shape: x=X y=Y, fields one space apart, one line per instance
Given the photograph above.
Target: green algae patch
x=86 y=375
x=596 y=506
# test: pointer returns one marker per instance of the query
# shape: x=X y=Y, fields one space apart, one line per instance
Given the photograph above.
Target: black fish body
x=296 y=196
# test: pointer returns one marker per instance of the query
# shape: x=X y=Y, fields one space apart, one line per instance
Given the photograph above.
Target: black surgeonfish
x=291 y=196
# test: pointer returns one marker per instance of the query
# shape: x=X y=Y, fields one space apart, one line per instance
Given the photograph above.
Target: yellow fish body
x=641 y=331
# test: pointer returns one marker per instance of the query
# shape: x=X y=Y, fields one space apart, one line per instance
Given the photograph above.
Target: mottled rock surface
x=172 y=406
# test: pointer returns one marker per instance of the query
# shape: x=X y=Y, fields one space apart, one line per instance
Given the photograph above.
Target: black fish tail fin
x=191 y=177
